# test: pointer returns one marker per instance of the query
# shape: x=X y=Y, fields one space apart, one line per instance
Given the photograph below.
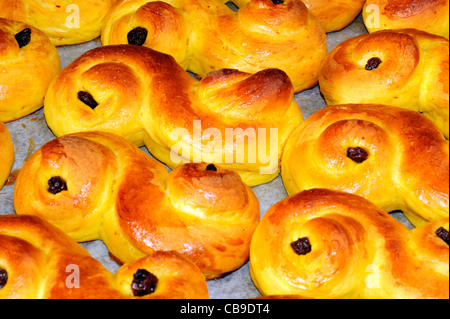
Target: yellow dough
x=206 y=35
x=322 y=243
x=405 y=68
x=237 y=120
x=97 y=185
x=394 y=157
x=6 y=154
x=28 y=63
x=64 y=21
x=39 y=261
x=431 y=16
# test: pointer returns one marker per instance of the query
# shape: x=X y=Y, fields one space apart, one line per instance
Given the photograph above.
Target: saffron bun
x=6 y=154
x=405 y=68
x=28 y=63
x=395 y=158
x=96 y=185
x=237 y=120
x=335 y=15
x=205 y=35
x=323 y=243
x=39 y=261
x=429 y=16
x=65 y=22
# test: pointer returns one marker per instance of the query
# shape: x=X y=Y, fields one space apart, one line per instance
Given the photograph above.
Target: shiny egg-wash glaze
x=365 y=253
x=65 y=22
x=39 y=261
x=206 y=35
x=145 y=96
x=97 y=185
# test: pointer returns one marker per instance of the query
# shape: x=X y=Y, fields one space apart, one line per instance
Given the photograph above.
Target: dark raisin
x=144 y=283
x=357 y=154
x=301 y=246
x=277 y=1
x=211 y=167
x=87 y=99
x=442 y=233
x=23 y=37
x=3 y=278
x=137 y=36
x=373 y=63
x=57 y=185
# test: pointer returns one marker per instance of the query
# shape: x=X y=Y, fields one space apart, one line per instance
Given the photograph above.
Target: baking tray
x=31 y=132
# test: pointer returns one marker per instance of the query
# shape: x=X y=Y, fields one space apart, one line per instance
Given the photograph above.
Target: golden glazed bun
x=426 y=15
x=28 y=63
x=334 y=15
x=394 y=157
x=405 y=68
x=64 y=21
x=38 y=261
x=322 y=243
x=7 y=154
x=236 y=120
x=206 y=35
x=99 y=186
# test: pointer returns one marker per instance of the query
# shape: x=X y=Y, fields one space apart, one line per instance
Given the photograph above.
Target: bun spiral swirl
x=38 y=261
x=205 y=35
x=64 y=21
x=236 y=120
x=28 y=63
x=322 y=243
x=99 y=186
x=394 y=157
x=405 y=68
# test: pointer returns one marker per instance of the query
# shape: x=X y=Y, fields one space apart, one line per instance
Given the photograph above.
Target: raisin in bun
x=394 y=157
x=97 y=185
x=322 y=243
x=28 y=63
x=426 y=15
x=39 y=261
x=405 y=68
x=7 y=154
x=65 y=22
x=206 y=35
x=237 y=120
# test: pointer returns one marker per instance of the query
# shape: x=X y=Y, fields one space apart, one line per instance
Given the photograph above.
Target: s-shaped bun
x=322 y=243
x=28 y=63
x=405 y=68
x=431 y=16
x=205 y=35
x=64 y=22
x=97 y=185
x=39 y=261
x=237 y=120
x=394 y=157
